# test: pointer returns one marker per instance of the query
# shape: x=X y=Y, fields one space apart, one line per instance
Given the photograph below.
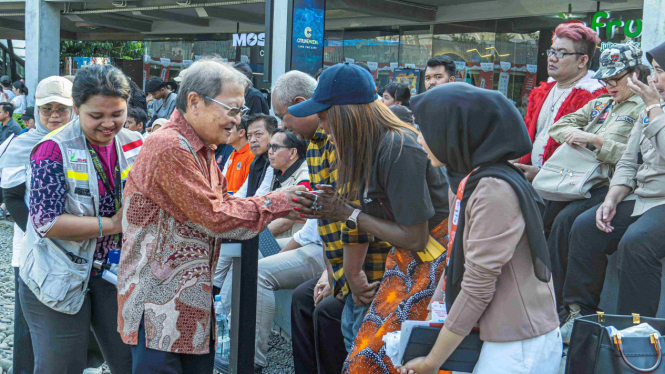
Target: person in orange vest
x=236 y=169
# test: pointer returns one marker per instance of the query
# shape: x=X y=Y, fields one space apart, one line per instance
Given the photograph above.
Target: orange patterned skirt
x=405 y=292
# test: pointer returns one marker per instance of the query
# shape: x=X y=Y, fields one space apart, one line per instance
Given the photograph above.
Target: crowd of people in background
x=360 y=190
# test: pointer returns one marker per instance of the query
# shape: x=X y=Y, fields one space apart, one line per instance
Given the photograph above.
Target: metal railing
x=245 y=256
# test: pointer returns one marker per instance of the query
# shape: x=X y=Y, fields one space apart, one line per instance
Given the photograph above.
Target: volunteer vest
x=45 y=267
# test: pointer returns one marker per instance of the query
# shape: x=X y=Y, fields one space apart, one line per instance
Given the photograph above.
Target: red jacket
x=585 y=90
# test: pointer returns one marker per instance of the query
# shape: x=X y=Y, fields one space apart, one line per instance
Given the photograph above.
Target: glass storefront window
x=178 y=50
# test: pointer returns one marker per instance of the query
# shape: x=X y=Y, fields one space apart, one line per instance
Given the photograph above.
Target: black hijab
x=467 y=127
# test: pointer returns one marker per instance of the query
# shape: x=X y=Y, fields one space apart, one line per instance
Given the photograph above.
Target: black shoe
x=258 y=369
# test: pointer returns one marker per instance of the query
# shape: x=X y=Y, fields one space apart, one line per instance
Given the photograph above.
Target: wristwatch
x=352 y=221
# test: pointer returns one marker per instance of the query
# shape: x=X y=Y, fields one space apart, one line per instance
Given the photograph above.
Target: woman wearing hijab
x=632 y=215
x=498 y=278
x=54 y=102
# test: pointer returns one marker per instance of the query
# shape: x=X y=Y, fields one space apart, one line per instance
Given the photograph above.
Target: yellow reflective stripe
x=125 y=172
x=77 y=175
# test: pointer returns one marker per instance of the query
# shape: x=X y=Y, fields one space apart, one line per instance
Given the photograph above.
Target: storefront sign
x=504 y=77
x=166 y=68
x=606 y=45
x=460 y=70
x=486 y=78
x=529 y=81
x=307 y=35
x=631 y=28
x=409 y=76
x=249 y=39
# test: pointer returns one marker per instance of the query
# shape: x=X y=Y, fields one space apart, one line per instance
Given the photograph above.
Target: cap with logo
x=5 y=80
x=54 y=90
x=341 y=84
x=28 y=113
x=618 y=58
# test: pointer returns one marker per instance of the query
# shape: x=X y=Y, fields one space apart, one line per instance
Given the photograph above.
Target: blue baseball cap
x=341 y=84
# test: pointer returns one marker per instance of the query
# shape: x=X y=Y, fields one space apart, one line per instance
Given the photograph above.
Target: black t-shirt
x=406 y=183
x=256 y=102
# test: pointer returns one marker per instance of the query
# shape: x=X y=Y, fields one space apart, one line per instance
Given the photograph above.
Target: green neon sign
x=632 y=29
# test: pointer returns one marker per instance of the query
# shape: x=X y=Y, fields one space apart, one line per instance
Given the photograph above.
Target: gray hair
x=207 y=77
x=291 y=85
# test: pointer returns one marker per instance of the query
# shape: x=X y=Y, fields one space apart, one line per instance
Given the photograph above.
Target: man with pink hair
x=569 y=88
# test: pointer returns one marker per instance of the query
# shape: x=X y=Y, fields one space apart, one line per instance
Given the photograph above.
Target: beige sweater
x=500 y=293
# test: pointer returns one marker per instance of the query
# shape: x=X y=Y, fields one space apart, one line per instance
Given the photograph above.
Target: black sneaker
x=258 y=369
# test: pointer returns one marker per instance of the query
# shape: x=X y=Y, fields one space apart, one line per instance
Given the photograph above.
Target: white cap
x=54 y=89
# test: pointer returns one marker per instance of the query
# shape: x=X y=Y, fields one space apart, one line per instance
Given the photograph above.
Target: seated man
x=286 y=154
x=236 y=169
x=259 y=130
x=136 y=119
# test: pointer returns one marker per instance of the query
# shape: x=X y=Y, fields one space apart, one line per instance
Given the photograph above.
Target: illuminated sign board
x=307 y=35
x=631 y=28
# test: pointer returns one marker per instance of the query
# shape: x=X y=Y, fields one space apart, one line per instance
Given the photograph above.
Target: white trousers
x=539 y=355
x=281 y=271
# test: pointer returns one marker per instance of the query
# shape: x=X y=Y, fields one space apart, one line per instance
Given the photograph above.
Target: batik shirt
x=321 y=156
x=48 y=191
x=176 y=211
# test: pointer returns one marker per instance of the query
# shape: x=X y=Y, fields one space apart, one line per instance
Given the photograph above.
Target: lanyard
x=116 y=191
x=453 y=226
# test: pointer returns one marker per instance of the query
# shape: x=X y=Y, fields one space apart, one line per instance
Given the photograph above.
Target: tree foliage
x=116 y=49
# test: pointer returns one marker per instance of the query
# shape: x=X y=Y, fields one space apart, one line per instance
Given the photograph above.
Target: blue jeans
x=352 y=319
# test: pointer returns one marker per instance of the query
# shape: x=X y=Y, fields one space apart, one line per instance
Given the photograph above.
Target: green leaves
x=122 y=50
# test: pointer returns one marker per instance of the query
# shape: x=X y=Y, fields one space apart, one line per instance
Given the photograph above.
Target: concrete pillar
x=280 y=38
x=42 y=42
x=653 y=26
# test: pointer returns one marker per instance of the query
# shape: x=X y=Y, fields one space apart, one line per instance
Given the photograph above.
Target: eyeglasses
x=233 y=111
x=48 y=111
x=275 y=147
x=612 y=82
x=560 y=54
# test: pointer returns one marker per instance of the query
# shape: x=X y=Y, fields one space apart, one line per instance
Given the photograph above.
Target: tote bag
x=570 y=174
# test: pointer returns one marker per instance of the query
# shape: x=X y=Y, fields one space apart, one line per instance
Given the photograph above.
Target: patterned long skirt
x=406 y=289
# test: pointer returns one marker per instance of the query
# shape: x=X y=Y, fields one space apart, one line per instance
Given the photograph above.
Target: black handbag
x=593 y=351
x=463 y=359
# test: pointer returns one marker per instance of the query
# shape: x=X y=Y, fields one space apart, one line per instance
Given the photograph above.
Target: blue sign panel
x=307 y=35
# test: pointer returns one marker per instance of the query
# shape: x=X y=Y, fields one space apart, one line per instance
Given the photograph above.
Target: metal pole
x=243 y=308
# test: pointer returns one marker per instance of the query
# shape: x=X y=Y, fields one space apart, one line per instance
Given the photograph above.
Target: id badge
x=114 y=256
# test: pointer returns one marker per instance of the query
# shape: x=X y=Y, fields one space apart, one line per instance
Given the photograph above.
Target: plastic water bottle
x=221 y=323
x=226 y=338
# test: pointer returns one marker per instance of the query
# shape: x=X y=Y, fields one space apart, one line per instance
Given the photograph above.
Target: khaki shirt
x=615 y=129
x=646 y=180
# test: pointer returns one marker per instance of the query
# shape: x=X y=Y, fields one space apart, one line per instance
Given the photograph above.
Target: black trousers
x=60 y=341
x=23 y=359
x=152 y=361
x=640 y=242
x=558 y=219
x=318 y=343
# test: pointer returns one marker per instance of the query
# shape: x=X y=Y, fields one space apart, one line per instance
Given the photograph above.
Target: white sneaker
x=93 y=370
x=567 y=328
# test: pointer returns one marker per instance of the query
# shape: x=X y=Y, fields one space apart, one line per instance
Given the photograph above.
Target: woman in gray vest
x=74 y=229
x=54 y=102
